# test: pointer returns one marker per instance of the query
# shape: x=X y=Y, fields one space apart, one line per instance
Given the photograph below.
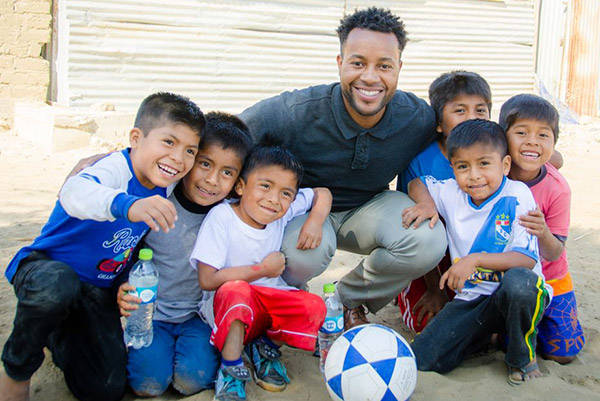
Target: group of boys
x=230 y=269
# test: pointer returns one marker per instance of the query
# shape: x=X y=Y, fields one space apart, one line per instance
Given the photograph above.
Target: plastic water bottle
x=333 y=325
x=144 y=277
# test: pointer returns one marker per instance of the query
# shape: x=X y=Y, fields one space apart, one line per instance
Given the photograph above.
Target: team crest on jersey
x=502 y=229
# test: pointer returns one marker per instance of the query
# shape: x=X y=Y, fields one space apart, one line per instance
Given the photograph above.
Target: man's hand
x=125 y=300
x=534 y=223
x=310 y=236
x=456 y=276
x=156 y=211
x=430 y=304
x=273 y=264
x=419 y=213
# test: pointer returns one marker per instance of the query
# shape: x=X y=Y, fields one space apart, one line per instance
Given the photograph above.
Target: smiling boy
x=531 y=125
x=180 y=354
x=496 y=271
x=239 y=266
x=63 y=280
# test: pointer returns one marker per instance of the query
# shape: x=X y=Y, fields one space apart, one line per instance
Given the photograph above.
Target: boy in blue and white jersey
x=63 y=280
x=496 y=270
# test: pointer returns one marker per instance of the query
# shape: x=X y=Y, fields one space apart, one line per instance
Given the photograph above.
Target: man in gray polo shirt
x=354 y=137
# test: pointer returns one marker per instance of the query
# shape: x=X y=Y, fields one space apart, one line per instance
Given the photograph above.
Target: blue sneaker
x=231 y=383
x=269 y=372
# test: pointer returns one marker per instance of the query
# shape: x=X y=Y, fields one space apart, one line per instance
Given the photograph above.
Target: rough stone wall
x=25 y=27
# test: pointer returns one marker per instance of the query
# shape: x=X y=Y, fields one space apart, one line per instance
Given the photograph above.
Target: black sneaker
x=269 y=372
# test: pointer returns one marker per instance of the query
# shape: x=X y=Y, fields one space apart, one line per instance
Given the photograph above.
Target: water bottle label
x=333 y=324
x=147 y=294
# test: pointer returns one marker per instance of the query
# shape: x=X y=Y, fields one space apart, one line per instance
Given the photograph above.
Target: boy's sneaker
x=231 y=383
x=269 y=372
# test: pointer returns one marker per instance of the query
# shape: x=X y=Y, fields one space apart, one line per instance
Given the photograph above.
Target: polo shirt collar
x=349 y=127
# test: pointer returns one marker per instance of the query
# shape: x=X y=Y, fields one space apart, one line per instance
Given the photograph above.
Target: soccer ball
x=370 y=363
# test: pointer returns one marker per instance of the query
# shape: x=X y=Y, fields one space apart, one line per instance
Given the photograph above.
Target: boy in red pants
x=237 y=255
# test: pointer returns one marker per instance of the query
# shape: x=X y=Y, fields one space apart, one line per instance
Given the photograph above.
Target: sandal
x=516 y=376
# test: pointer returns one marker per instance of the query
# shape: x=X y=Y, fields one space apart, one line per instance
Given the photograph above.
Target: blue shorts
x=180 y=354
x=559 y=332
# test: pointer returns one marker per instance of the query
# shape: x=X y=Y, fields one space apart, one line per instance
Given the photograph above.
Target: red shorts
x=409 y=297
x=293 y=317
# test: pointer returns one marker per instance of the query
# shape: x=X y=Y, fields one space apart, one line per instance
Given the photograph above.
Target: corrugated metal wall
x=584 y=58
x=552 y=45
x=229 y=54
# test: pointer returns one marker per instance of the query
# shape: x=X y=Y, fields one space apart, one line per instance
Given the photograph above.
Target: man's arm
x=211 y=279
x=311 y=232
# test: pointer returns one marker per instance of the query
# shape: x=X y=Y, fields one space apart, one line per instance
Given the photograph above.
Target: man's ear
x=239 y=187
x=135 y=136
x=339 y=60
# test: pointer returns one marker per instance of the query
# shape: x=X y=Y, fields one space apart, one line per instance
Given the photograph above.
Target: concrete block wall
x=25 y=27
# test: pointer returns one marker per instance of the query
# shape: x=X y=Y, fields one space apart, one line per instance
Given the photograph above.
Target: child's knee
x=191 y=382
x=149 y=386
x=315 y=306
x=520 y=283
x=51 y=292
x=563 y=360
x=239 y=287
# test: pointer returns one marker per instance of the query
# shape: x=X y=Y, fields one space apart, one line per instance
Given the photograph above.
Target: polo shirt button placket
x=361 y=152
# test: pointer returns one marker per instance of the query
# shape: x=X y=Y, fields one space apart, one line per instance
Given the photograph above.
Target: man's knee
x=301 y=266
x=420 y=250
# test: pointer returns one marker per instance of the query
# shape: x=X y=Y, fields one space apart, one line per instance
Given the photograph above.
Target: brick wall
x=25 y=27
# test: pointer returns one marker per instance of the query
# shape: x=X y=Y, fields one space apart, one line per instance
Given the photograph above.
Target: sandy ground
x=30 y=183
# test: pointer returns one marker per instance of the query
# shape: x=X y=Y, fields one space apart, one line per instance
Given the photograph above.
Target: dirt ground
x=30 y=183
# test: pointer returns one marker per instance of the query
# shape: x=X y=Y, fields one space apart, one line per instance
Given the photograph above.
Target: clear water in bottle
x=144 y=277
x=333 y=325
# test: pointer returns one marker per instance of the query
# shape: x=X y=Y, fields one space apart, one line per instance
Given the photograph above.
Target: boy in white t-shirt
x=496 y=270
x=237 y=255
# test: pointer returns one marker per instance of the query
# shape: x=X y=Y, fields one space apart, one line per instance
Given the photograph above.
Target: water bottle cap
x=329 y=288
x=146 y=254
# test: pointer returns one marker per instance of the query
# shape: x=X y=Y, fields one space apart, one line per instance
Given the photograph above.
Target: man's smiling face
x=369 y=67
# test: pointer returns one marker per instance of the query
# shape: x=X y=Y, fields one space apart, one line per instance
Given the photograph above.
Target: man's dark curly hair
x=373 y=19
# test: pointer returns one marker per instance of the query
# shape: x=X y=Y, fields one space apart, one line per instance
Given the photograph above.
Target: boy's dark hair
x=162 y=108
x=228 y=132
x=373 y=19
x=451 y=84
x=476 y=132
x=526 y=106
x=269 y=155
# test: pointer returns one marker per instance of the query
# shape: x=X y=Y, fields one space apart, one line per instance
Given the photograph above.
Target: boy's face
x=368 y=69
x=266 y=196
x=163 y=155
x=530 y=145
x=479 y=171
x=213 y=176
x=462 y=108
